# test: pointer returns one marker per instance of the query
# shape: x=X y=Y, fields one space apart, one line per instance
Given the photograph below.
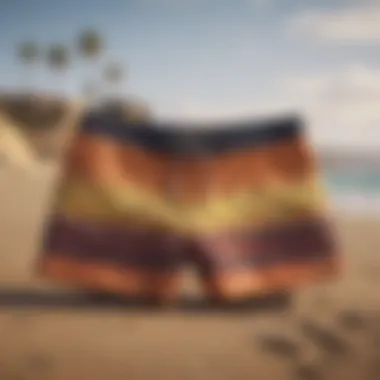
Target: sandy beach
x=121 y=344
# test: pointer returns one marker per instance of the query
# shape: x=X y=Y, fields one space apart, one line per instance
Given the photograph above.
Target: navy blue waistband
x=195 y=138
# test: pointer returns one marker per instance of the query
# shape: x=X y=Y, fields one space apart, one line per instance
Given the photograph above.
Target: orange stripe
x=283 y=162
x=111 y=278
x=240 y=284
x=104 y=160
x=165 y=286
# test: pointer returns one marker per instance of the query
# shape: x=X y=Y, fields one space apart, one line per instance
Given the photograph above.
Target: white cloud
x=356 y=24
x=354 y=82
x=343 y=107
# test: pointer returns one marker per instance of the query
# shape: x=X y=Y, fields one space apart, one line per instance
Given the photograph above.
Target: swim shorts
x=241 y=202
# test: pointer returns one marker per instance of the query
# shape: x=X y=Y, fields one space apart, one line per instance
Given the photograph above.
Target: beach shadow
x=26 y=298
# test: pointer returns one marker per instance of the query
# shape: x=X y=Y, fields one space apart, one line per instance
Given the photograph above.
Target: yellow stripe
x=109 y=202
x=83 y=200
x=280 y=203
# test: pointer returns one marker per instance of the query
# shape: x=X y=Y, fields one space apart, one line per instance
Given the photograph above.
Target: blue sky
x=220 y=58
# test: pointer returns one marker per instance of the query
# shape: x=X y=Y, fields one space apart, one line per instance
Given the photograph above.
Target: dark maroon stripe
x=283 y=244
x=147 y=248
x=153 y=248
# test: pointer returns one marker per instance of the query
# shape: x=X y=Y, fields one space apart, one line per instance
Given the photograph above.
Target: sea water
x=355 y=189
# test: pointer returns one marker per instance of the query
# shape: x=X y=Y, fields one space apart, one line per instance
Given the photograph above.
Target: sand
x=13 y=146
x=125 y=344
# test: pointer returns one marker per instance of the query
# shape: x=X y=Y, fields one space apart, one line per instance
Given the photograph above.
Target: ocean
x=353 y=186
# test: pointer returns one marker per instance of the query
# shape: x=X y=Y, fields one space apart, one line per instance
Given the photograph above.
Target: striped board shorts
x=241 y=202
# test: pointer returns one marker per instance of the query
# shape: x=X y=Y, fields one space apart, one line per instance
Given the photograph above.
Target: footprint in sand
x=351 y=320
x=280 y=346
x=354 y=322
x=287 y=349
x=39 y=363
x=373 y=371
x=33 y=366
x=329 y=342
x=375 y=343
x=10 y=374
x=331 y=345
x=307 y=372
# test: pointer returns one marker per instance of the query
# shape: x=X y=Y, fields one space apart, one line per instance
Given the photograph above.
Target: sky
x=219 y=59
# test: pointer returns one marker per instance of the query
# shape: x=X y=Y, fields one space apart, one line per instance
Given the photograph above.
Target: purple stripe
x=284 y=244
x=157 y=249
x=122 y=245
